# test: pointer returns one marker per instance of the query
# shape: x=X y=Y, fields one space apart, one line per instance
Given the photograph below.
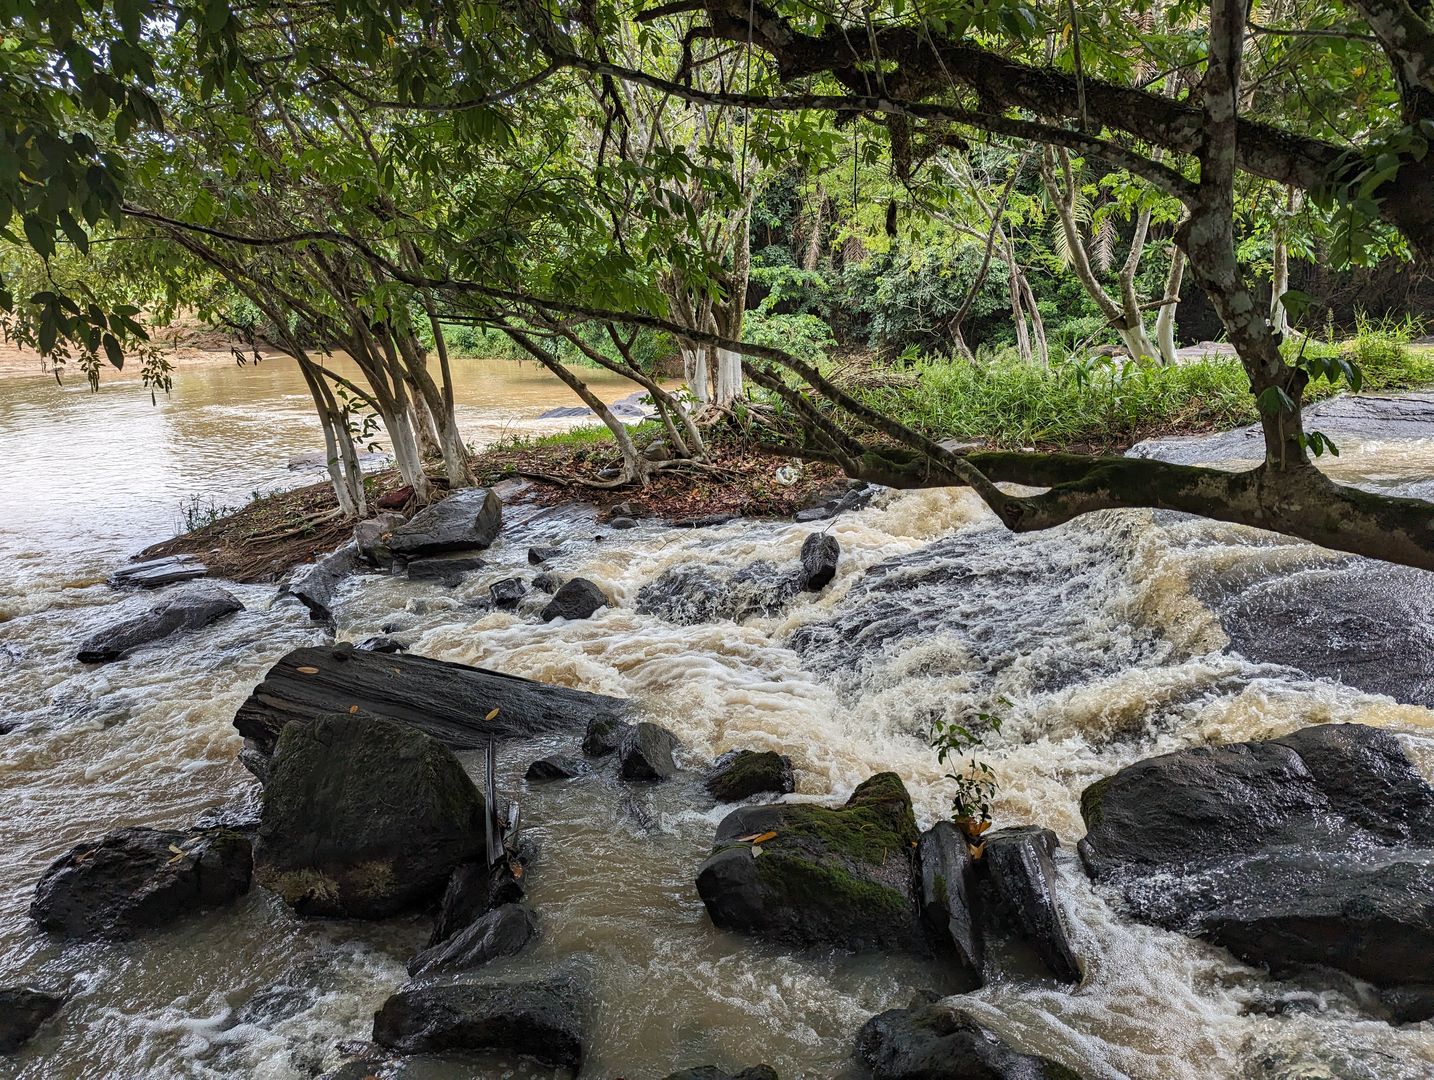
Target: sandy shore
x=186 y=346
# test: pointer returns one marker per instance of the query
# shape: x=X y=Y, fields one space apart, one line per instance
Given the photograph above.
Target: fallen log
x=452 y=702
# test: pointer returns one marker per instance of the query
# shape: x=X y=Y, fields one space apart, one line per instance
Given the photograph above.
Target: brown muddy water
x=1114 y=638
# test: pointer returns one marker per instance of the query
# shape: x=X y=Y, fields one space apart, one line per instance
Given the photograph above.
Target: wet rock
x=553 y=767
x=540 y=1019
x=152 y=573
x=368 y=1066
x=621 y=523
x=508 y=592
x=645 y=752
x=547 y=582
x=711 y=1072
x=503 y=931
x=445 y=569
x=448 y=701
x=1410 y=1004
x=135 y=879
x=191 y=608
x=930 y=1041
x=706 y=521
x=467 y=520
x=364 y=817
x=577 y=598
x=371 y=537
x=381 y=644
x=820 y=552
x=694 y=594
x=1023 y=878
x=947 y=893
x=316 y=584
x=830 y=876
x=23 y=1009
x=1310 y=849
x=604 y=735
x=831 y=506
x=743 y=773
x=538 y=554
x=473 y=890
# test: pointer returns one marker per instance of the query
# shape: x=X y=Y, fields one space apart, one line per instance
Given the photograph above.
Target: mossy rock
x=744 y=773
x=834 y=876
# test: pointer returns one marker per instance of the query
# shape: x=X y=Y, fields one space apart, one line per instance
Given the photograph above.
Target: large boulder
x=191 y=608
x=467 y=520
x=364 y=817
x=451 y=702
x=1312 y=849
x=645 y=752
x=135 y=879
x=1022 y=880
x=946 y=880
x=502 y=932
x=576 y=598
x=743 y=773
x=316 y=584
x=23 y=1009
x=828 y=876
x=542 y=1019
x=152 y=573
x=930 y=1041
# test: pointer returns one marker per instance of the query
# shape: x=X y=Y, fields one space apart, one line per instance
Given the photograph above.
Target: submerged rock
x=930 y=1041
x=192 y=608
x=743 y=773
x=23 y=1009
x=577 y=598
x=711 y=1072
x=538 y=554
x=604 y=735
x=829 y=876
x=694 y=594
x=547 y=582
x=445 y=569
x=1023 y=878
x=501 y=932
x=381 y=644
x=152 y=573
x=316 y=584
x=473 y=890
x=1316 y=848
x=820 y=554
x=449 y=701
x=553 y=767
x=645 y=752
x=135 y=879
x=467 y=520
x=364 y=817
x=946 y=880
x=540 y=1019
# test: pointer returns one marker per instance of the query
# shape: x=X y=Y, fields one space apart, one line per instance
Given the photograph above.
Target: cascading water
x=1116 y=637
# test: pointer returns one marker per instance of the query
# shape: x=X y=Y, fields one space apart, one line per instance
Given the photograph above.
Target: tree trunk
x=1165 y=321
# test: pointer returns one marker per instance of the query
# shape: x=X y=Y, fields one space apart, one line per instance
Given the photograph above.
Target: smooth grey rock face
x=447 y=568
x=152 y=573
x=192 y=608
x=645 y=753
x=316 y=584
x=1314 y=849
x=1019 y=867
x=467 y=520
x=947 y=893
x=364 y=817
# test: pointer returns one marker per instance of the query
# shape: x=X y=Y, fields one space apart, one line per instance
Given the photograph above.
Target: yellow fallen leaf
x=490 y=716
x=756 y=838
x=353 y=709
x=178 y=854
x=976 y=850
x=306 y=670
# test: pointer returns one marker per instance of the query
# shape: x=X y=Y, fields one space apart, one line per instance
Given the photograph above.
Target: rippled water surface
x=1113 y=638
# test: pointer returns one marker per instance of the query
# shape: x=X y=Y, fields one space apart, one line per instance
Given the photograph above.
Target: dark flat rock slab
x=152 y=573
x=192 y=608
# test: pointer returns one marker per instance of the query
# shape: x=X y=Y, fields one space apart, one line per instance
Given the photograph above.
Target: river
x=1102 y=642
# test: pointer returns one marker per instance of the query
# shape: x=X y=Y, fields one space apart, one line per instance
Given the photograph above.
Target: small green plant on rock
x=976 y=781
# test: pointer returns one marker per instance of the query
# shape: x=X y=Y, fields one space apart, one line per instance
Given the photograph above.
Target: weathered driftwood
x=448 y=701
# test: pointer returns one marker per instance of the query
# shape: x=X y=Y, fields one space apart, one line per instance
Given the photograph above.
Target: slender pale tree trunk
x=1165 y=321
